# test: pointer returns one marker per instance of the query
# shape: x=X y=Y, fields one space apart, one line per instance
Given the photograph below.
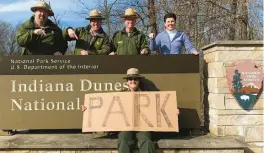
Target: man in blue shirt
x=171 y=41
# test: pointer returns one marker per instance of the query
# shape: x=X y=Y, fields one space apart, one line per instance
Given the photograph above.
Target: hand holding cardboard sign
x=177 y=111
x=84 y=108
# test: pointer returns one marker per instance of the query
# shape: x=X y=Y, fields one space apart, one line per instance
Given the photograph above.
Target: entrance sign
x=131 y=111
x=46 y=92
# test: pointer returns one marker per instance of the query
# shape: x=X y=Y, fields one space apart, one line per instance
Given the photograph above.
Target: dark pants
x=126 y=142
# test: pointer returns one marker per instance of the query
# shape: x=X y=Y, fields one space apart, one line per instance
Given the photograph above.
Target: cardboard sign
x=245 y=82
x=131 y=111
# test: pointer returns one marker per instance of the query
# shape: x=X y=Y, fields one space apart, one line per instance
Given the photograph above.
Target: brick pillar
x=223 y=115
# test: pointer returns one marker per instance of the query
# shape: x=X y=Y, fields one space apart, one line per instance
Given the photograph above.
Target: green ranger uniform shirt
x=126 y=140
x=133 y=43
x=98 y=45
x=40 y=44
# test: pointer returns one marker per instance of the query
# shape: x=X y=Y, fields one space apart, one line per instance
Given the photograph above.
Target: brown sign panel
x=131 y=111
x=51 y=100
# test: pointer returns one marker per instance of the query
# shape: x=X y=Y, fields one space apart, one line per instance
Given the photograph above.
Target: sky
x=18 y=11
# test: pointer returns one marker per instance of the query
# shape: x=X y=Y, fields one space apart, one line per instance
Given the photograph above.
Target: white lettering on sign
x=42 y=105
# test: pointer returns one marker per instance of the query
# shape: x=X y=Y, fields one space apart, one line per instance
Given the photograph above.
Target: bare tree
x=57 y=18
x=107 y=7
x=82 y=7
x=4 y=31
x=8 y=44
x=205 y=21
x=255 y=19
x=152 y=17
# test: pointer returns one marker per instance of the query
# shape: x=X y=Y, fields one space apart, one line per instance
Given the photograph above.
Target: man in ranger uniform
x=90 y=40
x=126 y=139
x=129 y=41
x=39 y=35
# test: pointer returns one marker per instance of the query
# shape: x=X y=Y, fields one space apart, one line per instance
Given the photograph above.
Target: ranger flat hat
x=95 y=14
x=130 y=13
x=133 y=73
x=42 y=5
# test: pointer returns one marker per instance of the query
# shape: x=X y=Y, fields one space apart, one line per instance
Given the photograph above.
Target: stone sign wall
x=224 y=116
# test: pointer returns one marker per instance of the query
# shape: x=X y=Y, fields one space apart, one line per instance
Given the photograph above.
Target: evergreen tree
x=237 y=81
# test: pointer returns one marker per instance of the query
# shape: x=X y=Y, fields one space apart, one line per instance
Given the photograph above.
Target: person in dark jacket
x=129 y=41
x=90 y=40
x=39 y=35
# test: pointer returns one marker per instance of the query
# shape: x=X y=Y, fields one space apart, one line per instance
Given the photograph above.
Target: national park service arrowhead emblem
x=245 y=82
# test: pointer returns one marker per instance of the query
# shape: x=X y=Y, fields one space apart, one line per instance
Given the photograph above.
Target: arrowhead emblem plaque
x=245 y=83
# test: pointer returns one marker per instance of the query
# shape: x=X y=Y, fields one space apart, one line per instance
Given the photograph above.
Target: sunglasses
x=136 y=79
